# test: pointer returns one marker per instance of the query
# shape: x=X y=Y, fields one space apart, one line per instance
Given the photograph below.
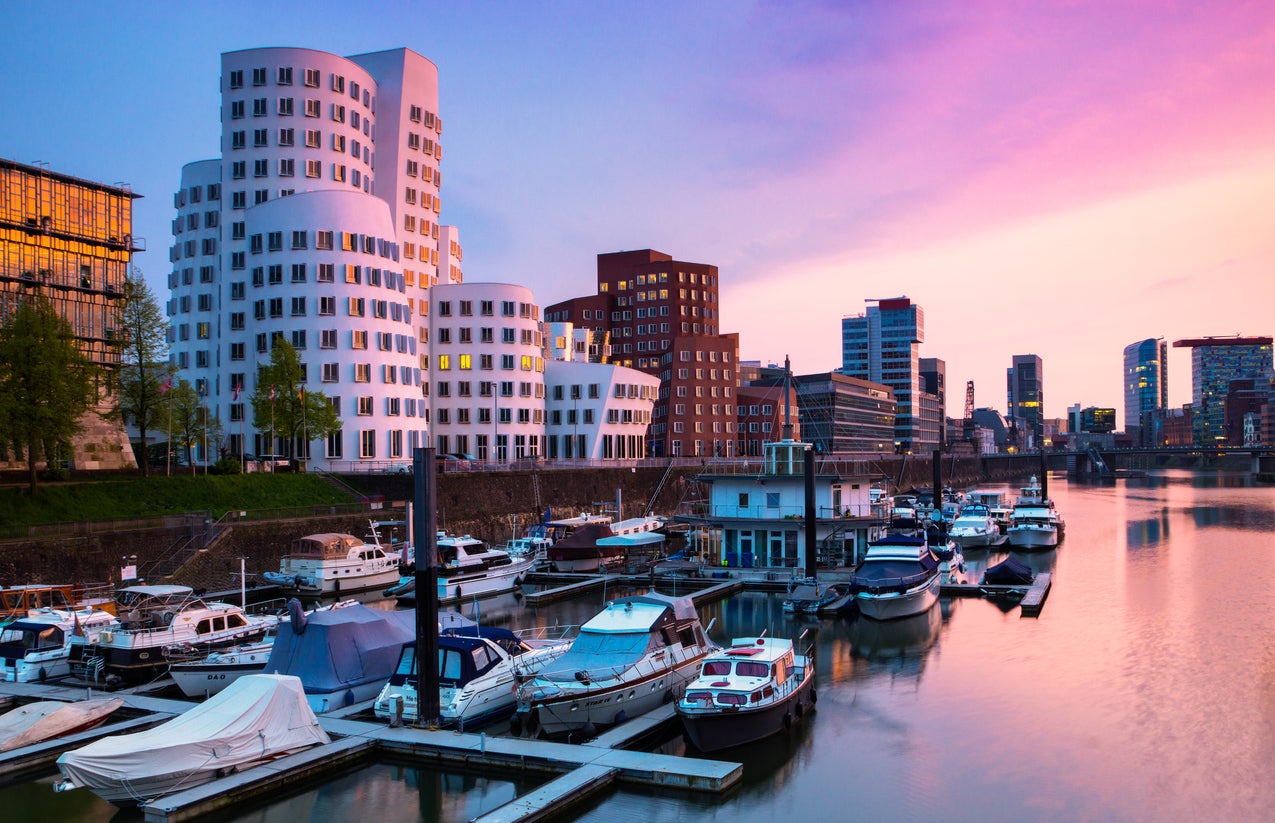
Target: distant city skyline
x=1063 y=181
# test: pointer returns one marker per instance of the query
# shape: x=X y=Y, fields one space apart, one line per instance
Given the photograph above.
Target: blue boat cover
x=344 y=647
x=1008 y=572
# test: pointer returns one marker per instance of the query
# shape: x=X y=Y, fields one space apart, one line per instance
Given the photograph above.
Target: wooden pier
x=1033 y=595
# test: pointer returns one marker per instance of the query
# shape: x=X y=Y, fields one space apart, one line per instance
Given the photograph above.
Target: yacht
x=157 y=623
x=468 y=567
x=757 y=687
x=898 y=577
x=1034 y=523
x=335 y=563
x=975 y=528
x=636 y=654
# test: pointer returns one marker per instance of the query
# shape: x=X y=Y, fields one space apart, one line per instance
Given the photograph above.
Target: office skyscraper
x=1146 y=387
x=883 y=345
x=1215 y=362
x=1025 y=385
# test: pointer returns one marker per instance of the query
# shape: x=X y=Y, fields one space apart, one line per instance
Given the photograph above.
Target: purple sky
x=1057 y=179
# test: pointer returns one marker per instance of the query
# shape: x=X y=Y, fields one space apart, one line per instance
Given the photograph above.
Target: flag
x=77 y=630
x=236 y=394
x=301 y=394
x=166 y=385
x=272 y=393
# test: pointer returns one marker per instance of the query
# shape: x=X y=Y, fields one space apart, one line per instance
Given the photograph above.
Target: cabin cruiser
x=636 y=654
x=899 y=576
x=468 y=567
x=753 y=689
x=257 y=719
x=207 y=676
x=334 y=563
x=156 y=623
x=1034 y=523
x=975 y=528
x=478 y=669
x=37 y=647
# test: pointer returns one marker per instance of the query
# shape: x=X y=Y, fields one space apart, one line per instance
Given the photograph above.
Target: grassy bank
x=134 y=498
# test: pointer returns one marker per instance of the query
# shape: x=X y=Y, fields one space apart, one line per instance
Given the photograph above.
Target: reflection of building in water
x=71 y=241
x=896 y=647
x=1145 y=533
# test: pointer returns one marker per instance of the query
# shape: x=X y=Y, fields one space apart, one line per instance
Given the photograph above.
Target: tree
x=46 y=382
x=192 y=424
x=143 y=355
x=281 y=404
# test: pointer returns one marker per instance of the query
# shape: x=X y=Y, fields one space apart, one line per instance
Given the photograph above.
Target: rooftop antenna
x=787 y=431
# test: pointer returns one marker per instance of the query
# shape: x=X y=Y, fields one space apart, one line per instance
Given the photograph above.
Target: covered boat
x=811 y=596
x=1009 y=572
x=757 y=687
x=636 y=654
x=342 y=656
x=49 y=719
x=258 y=718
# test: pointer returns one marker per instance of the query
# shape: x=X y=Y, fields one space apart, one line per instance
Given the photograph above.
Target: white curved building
x=597 y=411
x=487 y=398
x=323 y=231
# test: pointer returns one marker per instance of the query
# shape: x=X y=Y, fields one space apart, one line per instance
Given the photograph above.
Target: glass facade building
x=1215 y=362
x=882 y=345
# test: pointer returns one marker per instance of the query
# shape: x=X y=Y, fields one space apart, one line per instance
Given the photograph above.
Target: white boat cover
x=256 y=718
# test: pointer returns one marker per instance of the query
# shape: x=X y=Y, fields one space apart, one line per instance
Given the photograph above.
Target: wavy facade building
x=318 y=224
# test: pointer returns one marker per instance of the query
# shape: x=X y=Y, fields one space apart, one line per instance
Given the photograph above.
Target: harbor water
x=1145 y=690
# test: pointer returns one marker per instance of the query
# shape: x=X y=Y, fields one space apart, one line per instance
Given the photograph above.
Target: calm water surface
x=1144 y=691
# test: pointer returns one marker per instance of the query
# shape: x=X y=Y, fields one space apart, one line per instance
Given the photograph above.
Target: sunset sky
x=1059 y=179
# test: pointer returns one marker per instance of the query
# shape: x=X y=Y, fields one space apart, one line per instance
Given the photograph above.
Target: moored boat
x=37 y=647
x=755 y=688
x=636 y=654
x=257 y=719
x=335 y=563
x=975 y=528
x=1034 y=523
x=50 y=719
x=899 y=576
x=156 y=622
x=809 y=595
x=478 y=669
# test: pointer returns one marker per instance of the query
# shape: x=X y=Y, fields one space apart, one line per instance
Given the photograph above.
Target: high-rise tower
x=1025 y=387
x=1215 y=362
x=1146 y=387
x=883 y=345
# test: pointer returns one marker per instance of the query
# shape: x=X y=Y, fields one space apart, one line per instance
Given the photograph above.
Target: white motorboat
x=38 y=647
x=899 y=576
x=258 y=718
x=156 y=624
x=636 y=654
x=975 y=528
x=335 y=563
x=212 y=674
x=755 y=688
x=1034 y=523
x=468 y=568
x=478 y=669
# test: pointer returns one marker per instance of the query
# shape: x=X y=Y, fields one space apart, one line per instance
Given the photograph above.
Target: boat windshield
x=749 y=668
x=600 y=654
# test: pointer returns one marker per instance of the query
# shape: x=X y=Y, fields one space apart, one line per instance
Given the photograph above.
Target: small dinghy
x=48 y=719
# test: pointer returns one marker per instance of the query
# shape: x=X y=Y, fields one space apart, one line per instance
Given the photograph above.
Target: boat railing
x=885 y=584
x=545 y=635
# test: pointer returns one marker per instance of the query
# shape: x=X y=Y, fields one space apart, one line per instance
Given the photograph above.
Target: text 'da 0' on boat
x=37 y=647
x=257 y=719
x=478 y=670
x=156 y=623
x=636 y=654
x=898 y=576
x=757 y=687
x=335 y=563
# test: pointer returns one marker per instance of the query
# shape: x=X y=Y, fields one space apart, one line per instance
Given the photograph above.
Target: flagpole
x=272 y=452
x=305 y=437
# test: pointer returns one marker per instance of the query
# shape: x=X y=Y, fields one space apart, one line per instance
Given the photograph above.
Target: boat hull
x=497 y=580
x=895 y=604
x=585 y=710
x=975 y=541
x=586 y=560
x=1021 y=537
x=711 y=731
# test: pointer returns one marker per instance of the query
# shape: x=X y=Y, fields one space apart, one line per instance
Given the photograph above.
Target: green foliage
x=136 y=498
x=192 y=422
x=46 y=382
x=143 y=350
x=293 y=412
x=227 y=465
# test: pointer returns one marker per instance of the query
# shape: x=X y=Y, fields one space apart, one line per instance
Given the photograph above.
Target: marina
x=1016 y=702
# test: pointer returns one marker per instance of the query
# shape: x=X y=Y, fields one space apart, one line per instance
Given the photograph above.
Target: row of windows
x=487 y=334
x=508 y=362
x=195 y=194
x=487 y=308
x=489 y=388
x=311 y=79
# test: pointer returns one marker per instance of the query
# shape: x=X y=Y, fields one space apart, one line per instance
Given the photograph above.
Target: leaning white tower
x=324 y=233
